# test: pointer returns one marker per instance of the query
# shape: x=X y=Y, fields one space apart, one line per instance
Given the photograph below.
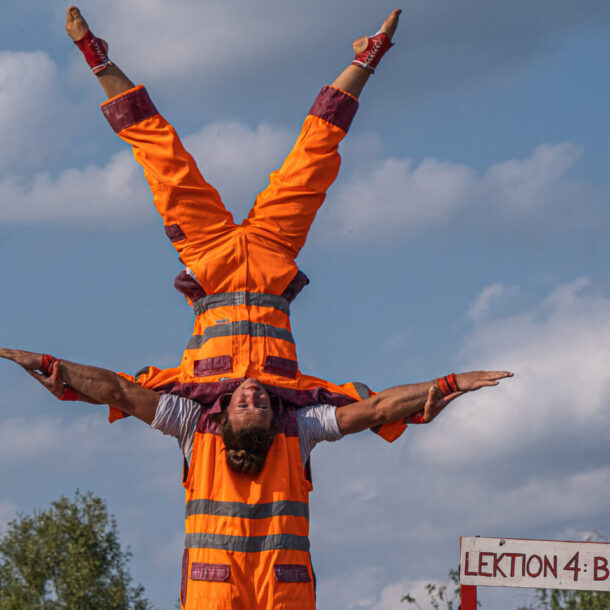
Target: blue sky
x=468 y=229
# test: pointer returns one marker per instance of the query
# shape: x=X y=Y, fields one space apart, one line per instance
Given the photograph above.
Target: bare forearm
x=390 y=405
x=403 y=401
x=106 y=387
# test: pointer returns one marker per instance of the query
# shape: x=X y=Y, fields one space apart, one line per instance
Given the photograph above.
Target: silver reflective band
x=247 y=511
x=361 y=389
x=227 y=299
x=247 y=544
x=242 y=327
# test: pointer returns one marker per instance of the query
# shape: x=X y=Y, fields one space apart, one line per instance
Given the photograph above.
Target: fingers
x=499 y=374
x=435 y=403
x=53 y=383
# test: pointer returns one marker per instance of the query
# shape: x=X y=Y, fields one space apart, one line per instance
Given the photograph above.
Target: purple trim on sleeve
x=174 y=232
x=185 y=572
x=129 y=109
x=213 y=366
x=298 y=282
x=335 y=106
x=291 y=572
x=211 y=572
x=281 y=366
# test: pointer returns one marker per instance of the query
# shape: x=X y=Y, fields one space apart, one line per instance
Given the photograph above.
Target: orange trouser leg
x=193 y=213
x=288 y=206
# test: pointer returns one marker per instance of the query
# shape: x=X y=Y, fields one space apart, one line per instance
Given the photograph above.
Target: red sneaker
x=95 y=51
x=370 y=49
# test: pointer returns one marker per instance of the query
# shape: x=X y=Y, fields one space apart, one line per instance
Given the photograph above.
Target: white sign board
x=544 y=564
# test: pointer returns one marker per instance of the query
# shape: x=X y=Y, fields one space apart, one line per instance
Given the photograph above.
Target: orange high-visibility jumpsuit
x=241 y=277
x=247 y=536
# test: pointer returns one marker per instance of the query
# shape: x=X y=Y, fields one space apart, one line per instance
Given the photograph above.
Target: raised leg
x=288 y=206
x=192 y=210
x=111 y=77
x=354 y=77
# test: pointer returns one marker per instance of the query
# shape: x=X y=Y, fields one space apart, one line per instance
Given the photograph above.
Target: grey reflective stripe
x=247 y=544
x=247 y=511
x=242 y=327
x=227 y=299
x=361 y=389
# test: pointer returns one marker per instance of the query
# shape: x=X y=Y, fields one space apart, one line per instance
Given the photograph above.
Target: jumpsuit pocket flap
x=291 y=572
x=212 y=572
x=213 y=366
x=281 y=366
x=174 y=232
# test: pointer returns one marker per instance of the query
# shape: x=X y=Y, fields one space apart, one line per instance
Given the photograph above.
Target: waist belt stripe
x=226 y=299
x=248 y=511
x=242 y=327
x=247 y=544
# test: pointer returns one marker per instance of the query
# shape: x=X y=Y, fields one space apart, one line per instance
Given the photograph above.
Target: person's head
x=248 y=427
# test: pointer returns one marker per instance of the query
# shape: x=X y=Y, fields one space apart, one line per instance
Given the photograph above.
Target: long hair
x=246 y=450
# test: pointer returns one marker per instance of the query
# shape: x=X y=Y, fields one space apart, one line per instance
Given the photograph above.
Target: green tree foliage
x=67 y=557
x=557 y=599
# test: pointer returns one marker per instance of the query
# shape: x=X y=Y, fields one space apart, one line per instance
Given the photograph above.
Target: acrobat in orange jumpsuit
x=240 y=279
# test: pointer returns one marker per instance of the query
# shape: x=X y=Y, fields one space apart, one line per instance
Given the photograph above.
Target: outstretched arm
x=407 y=400
x=101 y=385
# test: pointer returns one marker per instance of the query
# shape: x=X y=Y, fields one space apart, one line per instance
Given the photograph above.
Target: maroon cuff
x=128 y=109
x=335 y=106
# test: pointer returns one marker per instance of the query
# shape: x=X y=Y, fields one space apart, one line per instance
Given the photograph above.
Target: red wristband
x=46 y=364
x=447 y=384
x=69 y=394
x=95 y=51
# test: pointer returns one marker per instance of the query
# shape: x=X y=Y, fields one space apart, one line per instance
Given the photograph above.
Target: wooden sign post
x=540 y=564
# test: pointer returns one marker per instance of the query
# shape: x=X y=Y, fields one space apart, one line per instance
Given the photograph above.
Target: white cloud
x=481 y=306
x=559 y=350
x=115 y=193
x=31 y=123
x=395 y=198
x=235 y=158
x=82 y=438
x=523 y=185
x=385 y=199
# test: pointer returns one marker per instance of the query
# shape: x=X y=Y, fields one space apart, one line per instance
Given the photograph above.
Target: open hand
x=469 y=382
x=28 y=360
x=54 y=383
x=436 y=402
